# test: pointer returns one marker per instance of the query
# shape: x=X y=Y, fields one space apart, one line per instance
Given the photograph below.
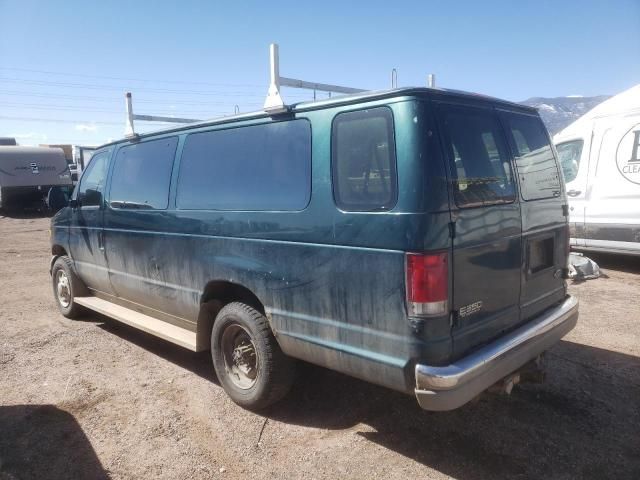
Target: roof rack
x=129 y=131
x=274 y=102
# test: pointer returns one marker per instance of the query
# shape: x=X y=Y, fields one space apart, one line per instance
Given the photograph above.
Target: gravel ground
x=94 y=399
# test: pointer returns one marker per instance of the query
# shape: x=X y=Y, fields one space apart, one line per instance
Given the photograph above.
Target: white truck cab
x=600 y=158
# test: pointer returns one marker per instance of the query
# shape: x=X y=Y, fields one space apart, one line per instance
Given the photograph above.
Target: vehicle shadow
x=42 y=441
x=25 y=214
x=199 y=363
x=582 y=423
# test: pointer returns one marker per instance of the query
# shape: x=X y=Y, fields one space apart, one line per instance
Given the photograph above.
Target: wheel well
x=216 y=295
x=58 y=250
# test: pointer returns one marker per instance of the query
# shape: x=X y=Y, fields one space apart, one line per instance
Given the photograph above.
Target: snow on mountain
x=559 y=112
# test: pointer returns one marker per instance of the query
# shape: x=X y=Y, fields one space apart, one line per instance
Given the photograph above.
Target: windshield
x=569 y=154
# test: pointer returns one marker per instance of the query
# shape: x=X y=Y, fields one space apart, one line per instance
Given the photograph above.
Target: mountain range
x=557 y=113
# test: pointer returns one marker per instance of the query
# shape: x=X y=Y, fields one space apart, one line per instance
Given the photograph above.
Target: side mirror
x=73 y=203
x=56 y=199
x=92 y=198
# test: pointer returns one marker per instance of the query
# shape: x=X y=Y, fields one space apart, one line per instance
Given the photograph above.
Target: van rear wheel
x=249 y=363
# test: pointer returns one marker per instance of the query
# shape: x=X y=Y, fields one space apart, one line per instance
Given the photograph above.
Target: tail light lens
x=427 y=284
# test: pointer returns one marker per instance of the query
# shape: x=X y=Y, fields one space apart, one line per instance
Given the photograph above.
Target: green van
x=415 y=238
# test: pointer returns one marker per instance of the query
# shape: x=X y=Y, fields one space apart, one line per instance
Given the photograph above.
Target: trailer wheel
x=66 y=287
x=252 y=369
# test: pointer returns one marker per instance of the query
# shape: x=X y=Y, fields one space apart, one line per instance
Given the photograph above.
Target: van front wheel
x=248 y=361
x=66 y=287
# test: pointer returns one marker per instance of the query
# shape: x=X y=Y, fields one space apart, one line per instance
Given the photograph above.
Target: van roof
x=336 y=101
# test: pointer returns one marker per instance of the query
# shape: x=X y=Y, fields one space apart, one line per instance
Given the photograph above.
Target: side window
x=257 y=167
x=142 y=173
x=92 y=182
x=477 y=155
x=537 y=169
x=363 y=159
x=569 y=154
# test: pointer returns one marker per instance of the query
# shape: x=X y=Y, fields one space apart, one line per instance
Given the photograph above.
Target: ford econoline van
x=413 y=238
x=600 y=156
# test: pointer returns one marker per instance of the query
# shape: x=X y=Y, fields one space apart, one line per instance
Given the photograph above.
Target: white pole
x=431 y=80
x=128 y=129
x=274 y=101
x=274 y=59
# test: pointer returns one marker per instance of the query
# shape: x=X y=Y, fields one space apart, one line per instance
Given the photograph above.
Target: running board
x=180 y=336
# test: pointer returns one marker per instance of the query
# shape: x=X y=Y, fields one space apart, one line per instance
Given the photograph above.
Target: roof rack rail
x=274 y=102
x=129 y=131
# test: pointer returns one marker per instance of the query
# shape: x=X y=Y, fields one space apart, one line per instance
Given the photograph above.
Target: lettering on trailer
x=628 y=155
x=35 y=168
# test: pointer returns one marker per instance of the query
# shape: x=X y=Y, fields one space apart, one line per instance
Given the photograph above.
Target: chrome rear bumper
x=451 y=386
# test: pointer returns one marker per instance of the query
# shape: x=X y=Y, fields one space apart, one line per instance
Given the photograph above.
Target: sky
x=66 y=65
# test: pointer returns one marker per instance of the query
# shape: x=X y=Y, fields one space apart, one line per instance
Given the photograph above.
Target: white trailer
x=28 y=173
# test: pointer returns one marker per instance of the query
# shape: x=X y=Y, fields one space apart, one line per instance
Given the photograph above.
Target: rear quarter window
x=537 y=169
x=478 y=156
x=363 y=160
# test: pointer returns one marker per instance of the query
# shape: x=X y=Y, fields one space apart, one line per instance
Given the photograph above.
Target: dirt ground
x=94 y=399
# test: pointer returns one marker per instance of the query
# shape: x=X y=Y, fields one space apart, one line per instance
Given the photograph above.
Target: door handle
x=101 y=240
x=574 y=193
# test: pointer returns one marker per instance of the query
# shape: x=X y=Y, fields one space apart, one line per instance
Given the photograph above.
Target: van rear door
x=545 y=233
x=486 y=227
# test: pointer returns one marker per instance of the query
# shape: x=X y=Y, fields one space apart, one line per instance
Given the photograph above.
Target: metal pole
x=394 y=78
x=128 y=129
x=431 y=80
x=274 y=100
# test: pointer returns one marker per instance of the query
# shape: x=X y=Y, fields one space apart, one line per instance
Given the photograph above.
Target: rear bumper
x=451 y=386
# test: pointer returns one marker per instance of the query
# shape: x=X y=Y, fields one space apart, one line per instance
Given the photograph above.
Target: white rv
x=600 y=158
x=28 y=173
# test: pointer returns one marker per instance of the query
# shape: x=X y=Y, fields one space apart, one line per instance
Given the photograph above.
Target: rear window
x=142 y=173
x=537 y=169
x=480 y=168
x=364 y=160
x=569 y=154
x=258 y=167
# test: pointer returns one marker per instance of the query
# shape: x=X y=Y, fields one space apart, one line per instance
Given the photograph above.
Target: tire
x=247 y=358
x=71 y=288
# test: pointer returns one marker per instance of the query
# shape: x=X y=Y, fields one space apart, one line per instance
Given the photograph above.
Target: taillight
x=427 y=284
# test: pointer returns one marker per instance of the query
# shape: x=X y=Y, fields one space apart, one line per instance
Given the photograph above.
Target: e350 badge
x=470 y=309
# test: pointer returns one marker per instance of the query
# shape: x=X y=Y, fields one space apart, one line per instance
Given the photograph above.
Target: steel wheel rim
x=240 y=356
x=63 y=290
